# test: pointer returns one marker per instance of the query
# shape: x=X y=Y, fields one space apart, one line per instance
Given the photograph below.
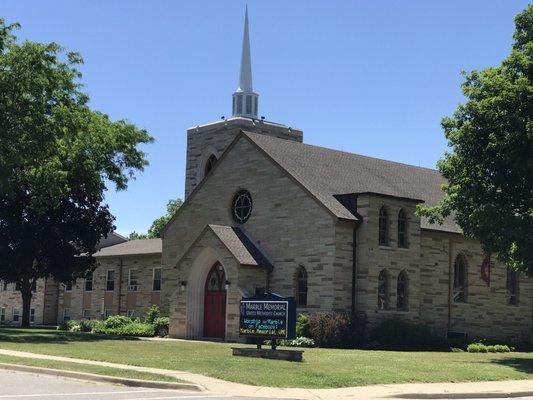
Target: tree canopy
x=57 y=158
x=156 y=229
x=490 y=166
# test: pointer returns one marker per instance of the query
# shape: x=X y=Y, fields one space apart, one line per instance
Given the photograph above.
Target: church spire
x=245 y=100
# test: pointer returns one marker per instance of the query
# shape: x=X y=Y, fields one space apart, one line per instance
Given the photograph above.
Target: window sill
x=383 y=247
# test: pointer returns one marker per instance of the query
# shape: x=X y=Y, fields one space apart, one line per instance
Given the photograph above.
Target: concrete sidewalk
x=409 y=390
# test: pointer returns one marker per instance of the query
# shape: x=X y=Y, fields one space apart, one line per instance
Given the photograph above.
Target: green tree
x=57 y=157
x=159 y=224
x=490 y=166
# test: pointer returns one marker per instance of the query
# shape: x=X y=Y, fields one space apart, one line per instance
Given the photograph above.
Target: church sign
x=268 y=316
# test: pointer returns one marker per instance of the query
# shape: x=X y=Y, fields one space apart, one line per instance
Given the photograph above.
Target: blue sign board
x=268 y=316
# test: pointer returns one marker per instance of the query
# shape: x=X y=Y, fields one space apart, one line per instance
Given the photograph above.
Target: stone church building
x=338 y=231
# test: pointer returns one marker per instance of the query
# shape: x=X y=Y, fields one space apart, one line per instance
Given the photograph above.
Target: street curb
x=102 y=378
x=488 y=395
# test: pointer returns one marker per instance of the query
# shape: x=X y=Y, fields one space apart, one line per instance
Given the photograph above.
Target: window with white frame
x=132 y=280
x=156 y=286
x=110 y=280
x=2 y=314
x=66 y=314
x=32 y=315
x=86 y=314
x=68 y=287
x=16 y=314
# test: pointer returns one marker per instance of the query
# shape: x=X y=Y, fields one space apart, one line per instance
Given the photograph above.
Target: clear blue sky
x=370 y=77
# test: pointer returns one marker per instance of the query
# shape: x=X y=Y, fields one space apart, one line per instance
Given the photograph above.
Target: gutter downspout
x=449 y=285
x=354 y=264
x=120 y=285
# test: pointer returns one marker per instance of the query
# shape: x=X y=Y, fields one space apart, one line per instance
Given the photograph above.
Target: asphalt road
x=22 y=386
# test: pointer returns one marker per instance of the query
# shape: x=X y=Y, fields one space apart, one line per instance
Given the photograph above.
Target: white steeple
x=245 y=100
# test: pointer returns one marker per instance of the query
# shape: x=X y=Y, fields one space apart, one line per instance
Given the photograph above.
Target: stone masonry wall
x=486 y=313
x=372 y=258
x=202 y=141
x=286 y=222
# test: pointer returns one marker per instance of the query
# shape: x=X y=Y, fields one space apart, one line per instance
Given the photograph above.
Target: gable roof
x=240 y=245
x=132 y=247
x=326 y=173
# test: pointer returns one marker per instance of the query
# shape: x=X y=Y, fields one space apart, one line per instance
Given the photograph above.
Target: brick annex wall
x=11 y=299
x=99 y=298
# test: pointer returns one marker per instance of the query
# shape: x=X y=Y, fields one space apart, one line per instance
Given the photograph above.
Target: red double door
x=215 y=303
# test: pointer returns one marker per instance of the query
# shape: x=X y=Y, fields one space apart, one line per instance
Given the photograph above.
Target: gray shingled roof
x=240 y=245
x=325 y=173
x=132 y=247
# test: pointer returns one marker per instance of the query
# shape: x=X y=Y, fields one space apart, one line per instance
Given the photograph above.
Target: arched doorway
x=215 y=303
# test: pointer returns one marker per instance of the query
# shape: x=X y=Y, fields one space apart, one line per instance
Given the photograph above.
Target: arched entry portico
x=215 y=303
x=197 y=284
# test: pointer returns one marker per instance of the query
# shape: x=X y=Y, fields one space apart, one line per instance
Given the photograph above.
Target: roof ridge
x=273 y=138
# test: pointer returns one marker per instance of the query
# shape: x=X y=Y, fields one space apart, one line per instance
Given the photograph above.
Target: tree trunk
x=25 y=291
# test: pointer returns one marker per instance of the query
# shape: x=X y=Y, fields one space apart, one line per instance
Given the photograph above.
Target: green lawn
x=322 y=368
x=93 y=369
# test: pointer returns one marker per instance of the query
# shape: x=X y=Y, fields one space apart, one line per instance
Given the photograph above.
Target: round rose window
x=241 y=207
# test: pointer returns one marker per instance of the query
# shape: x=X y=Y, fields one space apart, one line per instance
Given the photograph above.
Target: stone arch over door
x=196 y=289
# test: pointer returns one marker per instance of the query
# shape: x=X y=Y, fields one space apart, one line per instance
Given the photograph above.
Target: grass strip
x=92 y=369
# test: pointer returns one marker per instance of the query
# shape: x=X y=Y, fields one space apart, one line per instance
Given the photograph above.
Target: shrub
x=161 y=326
x=87 y=325
x=479 y=347
x=302 y=326
x=66 y=325
x=152 y=314
x=116 y=321
x=398 y=334
x=331 y=329
x=302 y=341
x=129 y=329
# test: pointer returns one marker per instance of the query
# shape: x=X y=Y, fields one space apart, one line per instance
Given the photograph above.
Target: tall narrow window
x=110 y=280
x=248 y=105
x=239 y=104
x=512 y=287
x=301 y=287
x=156 y=286
x=210 y=163
x=66 y=314
x=383 y=290
x=255 y=106
x=34 y=286
x=460 y=280
x=402 y=292
x=89 y=283
x=383 y=227
x=402 y=229
x=86 y=314
x=16 y=315
x=68 y=287
x=32 y=315
x=132 y=280
x=4 y=285
x=2 y=314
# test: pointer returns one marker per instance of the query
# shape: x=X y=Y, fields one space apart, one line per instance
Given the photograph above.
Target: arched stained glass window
x=383 y=227
x=301 y=287
x=402 y=292
x=383 y=290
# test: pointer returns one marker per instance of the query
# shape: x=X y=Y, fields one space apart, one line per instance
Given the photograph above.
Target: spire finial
x=245 y=78
x=245 y=100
